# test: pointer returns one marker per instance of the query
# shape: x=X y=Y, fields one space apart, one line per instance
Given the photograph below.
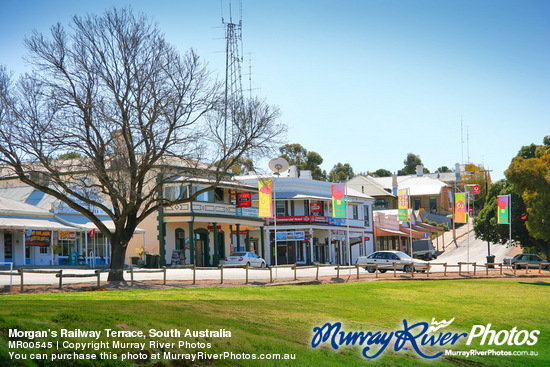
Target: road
x=470 y=249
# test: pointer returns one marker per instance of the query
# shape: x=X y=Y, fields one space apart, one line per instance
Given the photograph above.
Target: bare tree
x=138 y=113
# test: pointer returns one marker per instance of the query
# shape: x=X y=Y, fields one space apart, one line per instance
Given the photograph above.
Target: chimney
x=394 y=184
x=419 y=170
x=306 y=175
x=293 y=172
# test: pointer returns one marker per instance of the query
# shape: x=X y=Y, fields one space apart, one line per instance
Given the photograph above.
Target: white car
x=245 y=258
x=388 y=258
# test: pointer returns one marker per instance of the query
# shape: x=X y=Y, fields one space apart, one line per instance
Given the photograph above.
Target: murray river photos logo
x=417 y=336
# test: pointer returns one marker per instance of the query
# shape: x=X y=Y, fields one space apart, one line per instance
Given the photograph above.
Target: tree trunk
x=118 y=255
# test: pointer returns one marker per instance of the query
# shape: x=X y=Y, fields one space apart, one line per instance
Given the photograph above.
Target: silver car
x=245 y=258
x=531 y=259
x=388 y=258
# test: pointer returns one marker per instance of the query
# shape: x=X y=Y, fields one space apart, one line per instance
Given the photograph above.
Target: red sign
x=476 y=189
x=240 y=232
x=315 y=207
x=367 y=238
x=211 y=228
x=244 y=200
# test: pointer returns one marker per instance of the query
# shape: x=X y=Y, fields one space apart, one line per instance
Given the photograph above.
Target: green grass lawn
x=281 y=320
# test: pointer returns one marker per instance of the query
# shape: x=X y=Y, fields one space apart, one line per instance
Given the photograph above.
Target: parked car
x=245 y=258
x=530 y=259
x=424 y=249
x=388 y=258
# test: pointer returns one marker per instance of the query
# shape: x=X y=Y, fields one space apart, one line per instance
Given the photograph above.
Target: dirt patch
x=188 y=284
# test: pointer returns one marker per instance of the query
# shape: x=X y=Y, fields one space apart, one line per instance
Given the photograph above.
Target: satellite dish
x=278 y=165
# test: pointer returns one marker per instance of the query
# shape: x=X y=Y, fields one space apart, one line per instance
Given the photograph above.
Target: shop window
x=44 y=250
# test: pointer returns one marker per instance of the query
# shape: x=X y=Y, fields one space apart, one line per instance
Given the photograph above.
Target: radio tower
x=233 y=84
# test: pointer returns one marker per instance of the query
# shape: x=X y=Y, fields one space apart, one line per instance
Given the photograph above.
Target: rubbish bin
x=156 y=261
x=148 y=260
x=491 y=259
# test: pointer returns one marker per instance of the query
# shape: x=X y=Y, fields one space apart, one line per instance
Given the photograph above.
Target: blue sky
x=364 y=82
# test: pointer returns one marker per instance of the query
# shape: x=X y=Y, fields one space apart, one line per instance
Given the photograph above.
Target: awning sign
x=67 y=235
x=38 y=238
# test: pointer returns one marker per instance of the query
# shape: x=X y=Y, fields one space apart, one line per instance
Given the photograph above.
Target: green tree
x=69 y=155
x=382 y=173
x=443 y=169
x=298 y=156
x=341 y=173
x=485 y=224
x=531 y=176
x=410 y=163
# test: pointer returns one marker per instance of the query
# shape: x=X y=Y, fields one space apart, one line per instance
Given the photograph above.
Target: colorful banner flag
x=339 y=201
x=461 y=215
x=266 y=201
x=403 y=204
x=503 y=204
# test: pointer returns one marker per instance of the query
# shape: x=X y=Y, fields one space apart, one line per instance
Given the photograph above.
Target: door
x=200 y=259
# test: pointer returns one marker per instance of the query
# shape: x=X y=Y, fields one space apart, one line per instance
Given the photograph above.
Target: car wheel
x=248 y=264
x=370 y=269
x=407 y=269
x=262 y=265
x=383 y=270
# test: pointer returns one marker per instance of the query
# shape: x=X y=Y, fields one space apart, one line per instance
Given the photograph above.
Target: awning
x=413 y=233
x=84 y=223
x=33 y=222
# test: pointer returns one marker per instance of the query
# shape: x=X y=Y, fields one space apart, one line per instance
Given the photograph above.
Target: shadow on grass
x=536 y=283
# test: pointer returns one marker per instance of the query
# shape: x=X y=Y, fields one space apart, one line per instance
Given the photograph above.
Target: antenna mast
x=233 y=85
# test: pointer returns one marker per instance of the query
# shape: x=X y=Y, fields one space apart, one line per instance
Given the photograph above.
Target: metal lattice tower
x=233 y=83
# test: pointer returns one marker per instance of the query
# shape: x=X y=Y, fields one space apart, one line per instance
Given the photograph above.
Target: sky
x=362 y=82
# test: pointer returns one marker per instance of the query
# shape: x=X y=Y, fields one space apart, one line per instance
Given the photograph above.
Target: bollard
x=60 y=279
x=132 y=275
x=270 y=275
x=317 y=275
x=21 y=271
x=221 y=271
x=338 y=272
x=164 y=268
x=98 y=273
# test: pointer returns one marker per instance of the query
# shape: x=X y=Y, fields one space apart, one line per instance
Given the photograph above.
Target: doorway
x=203 y=250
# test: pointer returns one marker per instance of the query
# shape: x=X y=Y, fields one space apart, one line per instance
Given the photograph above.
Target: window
x=175 y=192
x=433 y=204
x=355 y=210
x=207 y=197
x=417 y=203
x=219 y=194
x=44 y=250
x=366 y=215
x=281 y=208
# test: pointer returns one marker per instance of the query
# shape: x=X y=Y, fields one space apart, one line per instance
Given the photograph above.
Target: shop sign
x=338 y=235
x=291 y=236
x=247 y=212
x=38 y=238
x=337 y=221
x=244 y=200
x=211 y=228
x=67 y=235
x=240 y=232
x=315 y=207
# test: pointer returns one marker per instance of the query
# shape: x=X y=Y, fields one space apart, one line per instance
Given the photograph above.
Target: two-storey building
x=304 y=230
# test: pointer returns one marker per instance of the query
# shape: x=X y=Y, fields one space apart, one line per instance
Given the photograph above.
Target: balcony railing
x=212 y=208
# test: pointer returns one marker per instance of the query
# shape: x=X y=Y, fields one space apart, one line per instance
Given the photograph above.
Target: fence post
x=445 y=274
x=501 y=268
x=221 y=273
x=376 y=270
x=540 y=268
x=515 y=265
x=357 y=266
x=60 y=278
x=428 y=270
x=412 y=268
x=338 y=272
x=246 y=267
x=132 y=276
x=487 y=269
x=395 y=270
x=317 y=275
x=475 y=266
x=527 y=268
x=98 y=273
x=164 y=268
x=459 y=269
x=270 y=274
x=295 y=278
x=21 y=271
x=194 y=276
